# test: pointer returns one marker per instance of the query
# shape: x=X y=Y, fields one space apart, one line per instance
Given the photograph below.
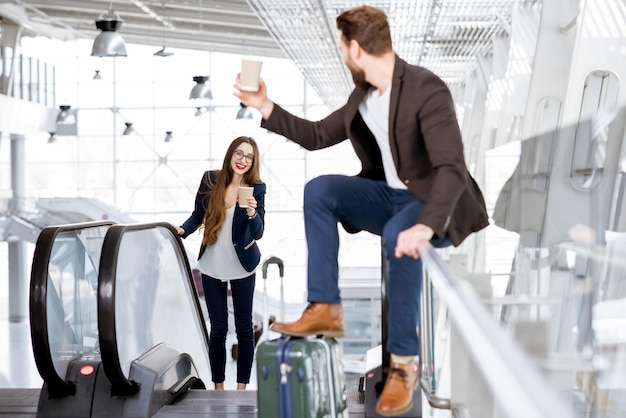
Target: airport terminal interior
x=103 y=142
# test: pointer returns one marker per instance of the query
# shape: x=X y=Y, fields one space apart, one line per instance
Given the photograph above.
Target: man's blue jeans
x=375 y=207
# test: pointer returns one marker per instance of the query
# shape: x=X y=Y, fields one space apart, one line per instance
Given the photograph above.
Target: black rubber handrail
x=57 y=385
x=121 y=386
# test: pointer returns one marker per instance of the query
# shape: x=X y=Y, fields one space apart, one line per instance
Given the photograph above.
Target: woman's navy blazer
x=245 y=231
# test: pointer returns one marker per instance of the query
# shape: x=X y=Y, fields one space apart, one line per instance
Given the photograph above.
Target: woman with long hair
x=229 y=254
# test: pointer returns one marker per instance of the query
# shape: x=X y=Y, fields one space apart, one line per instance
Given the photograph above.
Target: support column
x=18 y=269
x=11 y=34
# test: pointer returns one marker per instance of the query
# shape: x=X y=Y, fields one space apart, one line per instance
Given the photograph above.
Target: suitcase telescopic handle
x=274 y=260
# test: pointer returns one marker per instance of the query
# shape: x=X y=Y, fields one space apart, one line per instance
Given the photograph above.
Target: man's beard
x=358 y=76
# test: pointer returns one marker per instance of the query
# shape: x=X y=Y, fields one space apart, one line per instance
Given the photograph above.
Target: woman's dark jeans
x=215 y=294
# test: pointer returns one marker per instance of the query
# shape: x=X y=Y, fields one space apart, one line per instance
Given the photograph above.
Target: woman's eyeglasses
x=239 y=155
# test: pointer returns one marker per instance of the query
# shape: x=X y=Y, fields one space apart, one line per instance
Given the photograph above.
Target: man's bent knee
x=320 y=187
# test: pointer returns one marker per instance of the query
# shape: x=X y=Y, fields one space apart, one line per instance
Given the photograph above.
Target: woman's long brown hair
x=216 y=210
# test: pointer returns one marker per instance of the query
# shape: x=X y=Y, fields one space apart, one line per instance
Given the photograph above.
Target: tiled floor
x=17 y=365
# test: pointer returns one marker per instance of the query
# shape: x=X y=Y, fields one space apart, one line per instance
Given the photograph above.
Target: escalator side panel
x=159 y=373
x=84 y=375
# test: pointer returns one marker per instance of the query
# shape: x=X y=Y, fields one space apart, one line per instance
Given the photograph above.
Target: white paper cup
x=249 y=77
x=244 y=194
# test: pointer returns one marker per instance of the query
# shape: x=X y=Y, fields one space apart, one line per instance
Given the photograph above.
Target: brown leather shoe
x=397 y=395
x=318 y=319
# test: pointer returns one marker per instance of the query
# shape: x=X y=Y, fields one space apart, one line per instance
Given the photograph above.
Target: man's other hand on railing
x=410 y=239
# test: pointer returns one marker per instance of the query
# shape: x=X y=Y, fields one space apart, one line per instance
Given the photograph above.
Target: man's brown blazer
x=425 y=142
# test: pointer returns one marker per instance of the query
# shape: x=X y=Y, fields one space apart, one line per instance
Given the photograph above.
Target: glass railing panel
x=64 y=283
x=593 y=322
x=155 y=298
x=73 y=282
x=487 y=374
x=567 y=309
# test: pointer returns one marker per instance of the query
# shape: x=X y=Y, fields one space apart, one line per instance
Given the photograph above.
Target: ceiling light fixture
x=168 y=136
x=109 y=43
x=97 y=76
x=166 y=24
x=201 y=91
x=163 y=53
x=66 y=116
x=129 y=129
x=244 y=112
x=201 y=110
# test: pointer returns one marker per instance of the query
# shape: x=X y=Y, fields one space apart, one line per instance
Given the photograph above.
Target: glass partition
x=563 y=297
x=153 y=298
x=575 y=321
x=63 y=305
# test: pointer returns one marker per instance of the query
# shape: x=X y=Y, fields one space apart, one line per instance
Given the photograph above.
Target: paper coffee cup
x=249 y=77
x=244 y=194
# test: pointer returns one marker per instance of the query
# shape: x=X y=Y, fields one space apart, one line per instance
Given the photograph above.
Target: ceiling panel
x=222 y=26
x=445 y=36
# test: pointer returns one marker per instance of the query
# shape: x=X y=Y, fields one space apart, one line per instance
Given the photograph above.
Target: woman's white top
x=220 y=259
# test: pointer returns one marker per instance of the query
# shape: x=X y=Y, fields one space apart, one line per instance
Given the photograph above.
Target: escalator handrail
x=57 y=385
x=513 y=379
x=106 y=301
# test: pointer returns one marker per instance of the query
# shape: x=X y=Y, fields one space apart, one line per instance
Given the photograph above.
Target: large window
x=153 y=180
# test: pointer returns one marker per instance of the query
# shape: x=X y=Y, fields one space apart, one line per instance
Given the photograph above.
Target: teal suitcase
x=301 y=378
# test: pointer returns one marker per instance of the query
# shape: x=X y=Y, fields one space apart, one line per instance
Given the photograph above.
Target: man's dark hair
x=368 y=26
